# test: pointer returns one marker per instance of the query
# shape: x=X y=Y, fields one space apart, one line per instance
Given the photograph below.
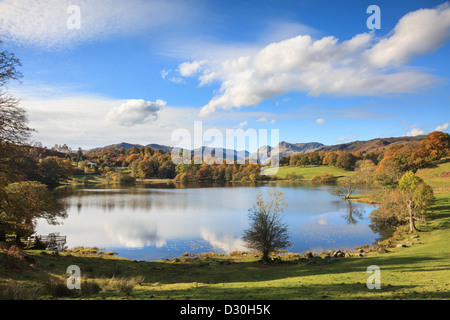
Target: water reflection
x=353 y=214
x=147 y=222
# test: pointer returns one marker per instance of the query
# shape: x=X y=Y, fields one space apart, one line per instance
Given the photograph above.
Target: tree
x=365 y=170
x=418 y=196
x=347 y=186
x=13 y=119
x=407 y=203
x=79 y=155
x=24 y=203
x=387 y=174
x=346 y=160
x=437 y=144
x=54 y=170
x=267 y=231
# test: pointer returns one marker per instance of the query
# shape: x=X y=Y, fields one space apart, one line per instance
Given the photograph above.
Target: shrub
x=122 y=285
x=324 y=178
x=14 y=258
x=57 y=288
x=294 y=176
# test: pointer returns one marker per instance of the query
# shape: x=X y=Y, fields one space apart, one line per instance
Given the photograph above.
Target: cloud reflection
x=226 y=243
x=132 y=234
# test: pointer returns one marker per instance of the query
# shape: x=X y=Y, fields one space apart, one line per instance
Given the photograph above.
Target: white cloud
x=43 y=23
x=262 y=119
x=417 y=33
x=243 y=124
x=320 y=121
x=165 y=73
x=188 y=69
x=415 y=132
x=62 y=115
x=442 y=127
x=134 y=112
x=345 y=139
x=354 y=67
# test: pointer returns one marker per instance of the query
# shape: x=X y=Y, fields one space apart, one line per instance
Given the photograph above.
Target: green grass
x=436 y=178
x=419 y=271
x=308 y=172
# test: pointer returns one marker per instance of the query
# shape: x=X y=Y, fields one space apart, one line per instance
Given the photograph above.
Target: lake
x=148 y=222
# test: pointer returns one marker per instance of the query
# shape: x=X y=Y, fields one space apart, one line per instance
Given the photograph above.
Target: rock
x=382 y=250
x=400 y=245
x=176 y=260
x=415 y=237
x=361 y=251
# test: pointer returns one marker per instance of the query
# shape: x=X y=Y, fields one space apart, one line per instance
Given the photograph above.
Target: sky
x=98 y=72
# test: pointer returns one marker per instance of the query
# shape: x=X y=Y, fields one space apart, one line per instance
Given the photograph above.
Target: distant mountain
x=216 y=152
x=283 y=148
x=155 y=146
x=374 y=145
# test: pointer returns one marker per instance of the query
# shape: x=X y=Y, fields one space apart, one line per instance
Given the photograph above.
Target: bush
x=14 y=258
x=57 y=288
x=294 y=176
x=324 y=178
x=122 y=285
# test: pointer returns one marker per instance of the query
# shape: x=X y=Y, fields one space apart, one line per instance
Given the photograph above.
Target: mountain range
x=284 y=148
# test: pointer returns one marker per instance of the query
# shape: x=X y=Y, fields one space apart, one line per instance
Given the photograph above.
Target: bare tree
x=347 y=187
x=13 y=121
x=267 y=231
x=14 y=130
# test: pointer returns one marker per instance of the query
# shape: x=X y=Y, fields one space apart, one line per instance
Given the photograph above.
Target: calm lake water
x=155 y=222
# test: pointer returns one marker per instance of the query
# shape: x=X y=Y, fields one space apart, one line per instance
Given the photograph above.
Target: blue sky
x=137 y=70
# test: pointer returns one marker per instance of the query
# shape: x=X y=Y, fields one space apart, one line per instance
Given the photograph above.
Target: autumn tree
x=54 y=171
x=25 y=203
x=346 y=160
x=407 y=203
x=267 y=231
x=437 y=144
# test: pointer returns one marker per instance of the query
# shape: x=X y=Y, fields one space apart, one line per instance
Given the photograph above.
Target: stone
x=400 y=245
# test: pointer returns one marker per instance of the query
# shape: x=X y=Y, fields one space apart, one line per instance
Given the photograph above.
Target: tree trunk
x=412 y=226
x=265 y=256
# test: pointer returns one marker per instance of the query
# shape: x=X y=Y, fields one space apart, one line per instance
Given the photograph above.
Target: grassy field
x=308 y=172
x=438 y=177
x=421 y=270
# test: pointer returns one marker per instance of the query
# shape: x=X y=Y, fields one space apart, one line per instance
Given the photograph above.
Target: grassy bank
x=420 y=270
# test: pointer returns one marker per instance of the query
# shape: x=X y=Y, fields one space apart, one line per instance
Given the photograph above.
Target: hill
x=374 y=145
x=284 y=148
